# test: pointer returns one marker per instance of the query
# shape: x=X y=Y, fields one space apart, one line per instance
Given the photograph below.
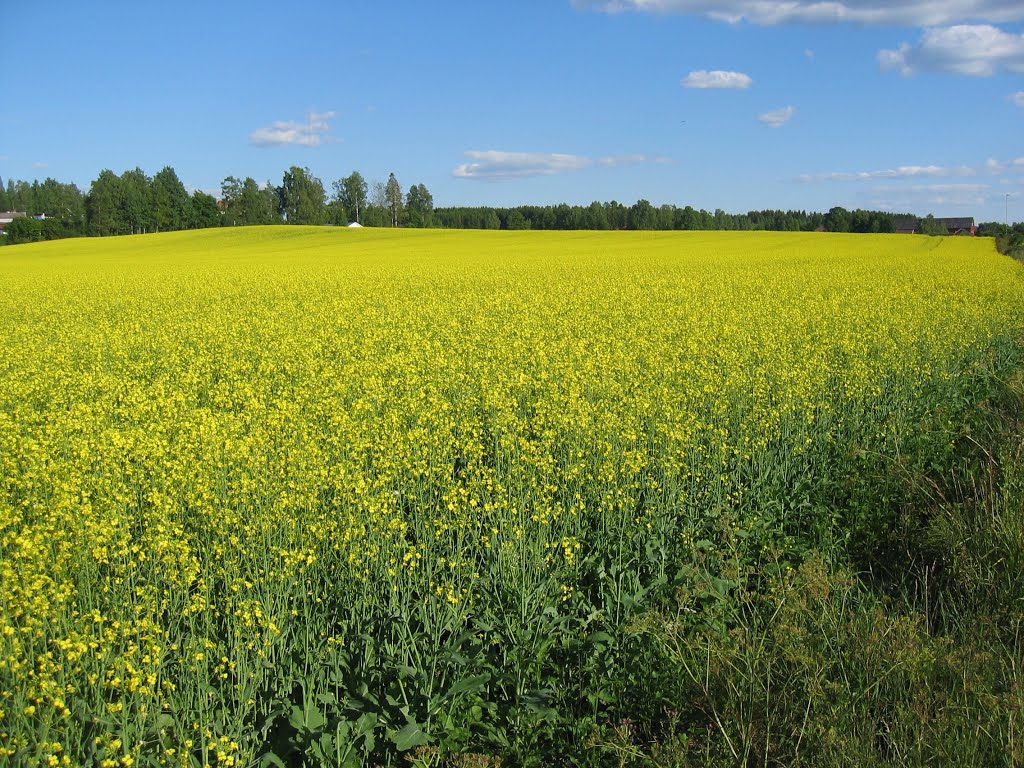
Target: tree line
x=135 y=203
x=642 y=215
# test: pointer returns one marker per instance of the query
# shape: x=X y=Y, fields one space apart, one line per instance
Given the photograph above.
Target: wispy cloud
x=901 y=172
x=40 y=166
x=777 y=118
x=498 y=165
x=995 y=167
x=991 y=167
x=976 y=188
x=975 y=50
x=1017 y=98
x=717 y=78
x=918 y=196
x=311 y=133
x=613 y=161
x=917 y=13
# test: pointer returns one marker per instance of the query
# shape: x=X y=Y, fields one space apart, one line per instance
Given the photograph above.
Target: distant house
x=906 y=225
x=961 y=226
x=911 y=225
x=7 y=217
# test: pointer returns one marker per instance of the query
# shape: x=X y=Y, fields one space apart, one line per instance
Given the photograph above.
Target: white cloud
x=777 y=117
x=915 y=196
x=995 y=167
x=990 y=167
x=917 y=13
x=311 y=133
x=1017 y=98
x=944 y=188
x=612 y=161
x=902 y=172
x=494 y=164
x=717 y=78
x=40 y=166
x=976 y=50
x=809 y=53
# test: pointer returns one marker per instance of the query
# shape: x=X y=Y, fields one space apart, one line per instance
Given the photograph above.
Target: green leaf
x=600 y=639
x=163 y=720
x=474 y=683
x=409 y=737
x=271 y=759
x=315 y=719
x=323 y=749
x=366 y=723
x=721 y=587
x=309 y=719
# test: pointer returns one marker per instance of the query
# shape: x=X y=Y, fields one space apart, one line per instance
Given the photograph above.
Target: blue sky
x=738 y=104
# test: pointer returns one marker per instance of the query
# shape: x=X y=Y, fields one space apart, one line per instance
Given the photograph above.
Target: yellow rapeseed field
x=231 y=459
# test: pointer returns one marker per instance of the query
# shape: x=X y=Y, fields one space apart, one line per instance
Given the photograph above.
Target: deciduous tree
x=171 y=203
x=103 y=205
x=419 y=206
x=393 y=199
x=204 y=212
x=302 y=198
x=351 y=192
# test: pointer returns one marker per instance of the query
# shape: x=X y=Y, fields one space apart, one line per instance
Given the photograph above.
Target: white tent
x=355 y=224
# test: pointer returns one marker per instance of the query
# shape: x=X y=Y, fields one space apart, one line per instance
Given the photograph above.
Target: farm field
x=284 y=494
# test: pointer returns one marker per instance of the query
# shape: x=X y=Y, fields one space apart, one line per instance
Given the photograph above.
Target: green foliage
x=302 y=197
x=103 y=205
x=203 y=211
x=247 y=204
x=642 y=216
x=419 y=207
x=351 y=193
x=929 y=226
x=24 y=230
x=171 y=204
x=393 y=200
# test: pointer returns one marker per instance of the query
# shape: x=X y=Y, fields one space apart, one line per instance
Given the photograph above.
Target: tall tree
x=838 y=219
x=231 y=198
x=171 y=204
x=419 y=206
x=258 y=205
x=931 y=226
x=136 y=201
x=393 y=199
x=302 y=198
x=103 y=205
x=351 y=192
x=203 y=211
x=594 y=217
x=642 y=215
x=246 y=203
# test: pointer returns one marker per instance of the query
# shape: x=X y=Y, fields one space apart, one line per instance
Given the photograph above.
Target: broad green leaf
x=409 y=737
